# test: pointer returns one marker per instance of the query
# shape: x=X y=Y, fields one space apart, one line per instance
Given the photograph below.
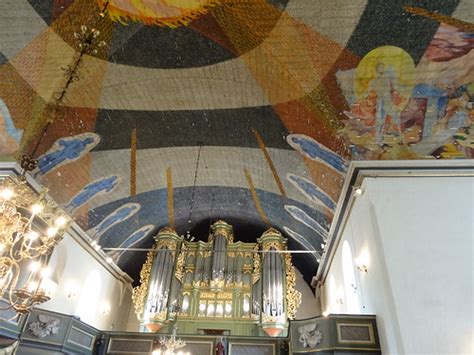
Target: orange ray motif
x=289 y=58
x=170 y=13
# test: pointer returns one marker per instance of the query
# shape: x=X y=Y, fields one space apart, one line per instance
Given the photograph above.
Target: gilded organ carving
x=218 y=280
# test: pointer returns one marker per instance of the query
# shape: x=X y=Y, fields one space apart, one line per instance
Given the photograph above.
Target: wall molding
x=358 y=171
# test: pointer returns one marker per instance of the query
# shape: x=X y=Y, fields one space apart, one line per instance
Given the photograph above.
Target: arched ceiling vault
x=248 y=111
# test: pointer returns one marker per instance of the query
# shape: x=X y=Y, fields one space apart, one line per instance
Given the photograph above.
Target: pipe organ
x=244 y=288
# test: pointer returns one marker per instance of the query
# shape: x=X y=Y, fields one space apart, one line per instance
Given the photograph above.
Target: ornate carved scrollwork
x=293 y=296
x=277 y=245
x=140 y=292
x=180 y=263
x=271 y=319
x=271 y=231
x=256 y=265
x=222 y=228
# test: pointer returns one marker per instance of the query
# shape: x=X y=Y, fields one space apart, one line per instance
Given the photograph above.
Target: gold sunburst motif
x=169 y=13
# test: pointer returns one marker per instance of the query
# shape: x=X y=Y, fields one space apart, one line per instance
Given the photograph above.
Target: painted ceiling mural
x=144 y=114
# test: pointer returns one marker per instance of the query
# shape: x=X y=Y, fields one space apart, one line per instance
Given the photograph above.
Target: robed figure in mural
x=388 y=101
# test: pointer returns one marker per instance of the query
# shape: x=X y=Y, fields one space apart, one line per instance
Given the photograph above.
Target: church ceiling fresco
x=249 y=111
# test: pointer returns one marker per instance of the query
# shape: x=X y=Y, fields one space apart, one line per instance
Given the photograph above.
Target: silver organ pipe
x=279 y=272
x=199 y=267
x=274 y=273
x=159 y=283
x=230 y=270
x=266 y=285
x=219 y=258
x=238 y=268
x=207 y=268
x=218 y=279
x=152 y=298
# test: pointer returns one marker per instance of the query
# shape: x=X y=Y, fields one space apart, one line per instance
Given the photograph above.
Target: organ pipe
x=251 y=282
x=151 y=298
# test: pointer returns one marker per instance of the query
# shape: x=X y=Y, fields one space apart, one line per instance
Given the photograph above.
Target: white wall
x=86 y=289
x=309 y=307
x=416 y=235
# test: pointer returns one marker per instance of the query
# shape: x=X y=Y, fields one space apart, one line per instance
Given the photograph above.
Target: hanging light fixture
x=172 y=343
x=31 y=225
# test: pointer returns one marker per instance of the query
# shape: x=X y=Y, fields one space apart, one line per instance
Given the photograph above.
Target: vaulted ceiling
x=243 y=110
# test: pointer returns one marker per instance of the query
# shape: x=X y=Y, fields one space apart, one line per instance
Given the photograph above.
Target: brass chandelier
x=31 y=225
x=171 y=343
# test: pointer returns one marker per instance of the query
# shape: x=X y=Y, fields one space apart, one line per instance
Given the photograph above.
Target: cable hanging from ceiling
x=193 y=192
x=88 y=43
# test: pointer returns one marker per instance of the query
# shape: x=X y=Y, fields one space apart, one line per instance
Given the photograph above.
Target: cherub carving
x=44 y=326
x=310 y=336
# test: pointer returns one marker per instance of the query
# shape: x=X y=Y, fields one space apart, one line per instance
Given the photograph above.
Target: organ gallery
x=222 y=285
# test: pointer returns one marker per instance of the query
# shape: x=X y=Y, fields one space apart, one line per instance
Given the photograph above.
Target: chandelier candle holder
x=31 y=225
x=172 y=343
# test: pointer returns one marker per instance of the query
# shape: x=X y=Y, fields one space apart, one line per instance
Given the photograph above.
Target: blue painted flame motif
x=301 y=216
x=302 y=241
x=316 y=151
x=91 y=190
x=311 y=191
x=119 y=215
x=133 y=239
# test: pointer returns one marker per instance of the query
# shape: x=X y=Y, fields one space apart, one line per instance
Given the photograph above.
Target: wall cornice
x=358 y=171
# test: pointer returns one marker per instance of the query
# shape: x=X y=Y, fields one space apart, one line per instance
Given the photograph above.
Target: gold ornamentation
x=273 y=244
x=157 y=316
x=256 y=265
x=293 y=296
x=31 y=226
x=213 y=295
x=140 y=292
x=167 y=230
x=168 y=244
x=208 y=295
x=224 y=295
x=271 y=319
x=217 y=283
x=271 y=231
x=221 y=228
x=28 y=163
x=197 y=283
x=180 y=263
